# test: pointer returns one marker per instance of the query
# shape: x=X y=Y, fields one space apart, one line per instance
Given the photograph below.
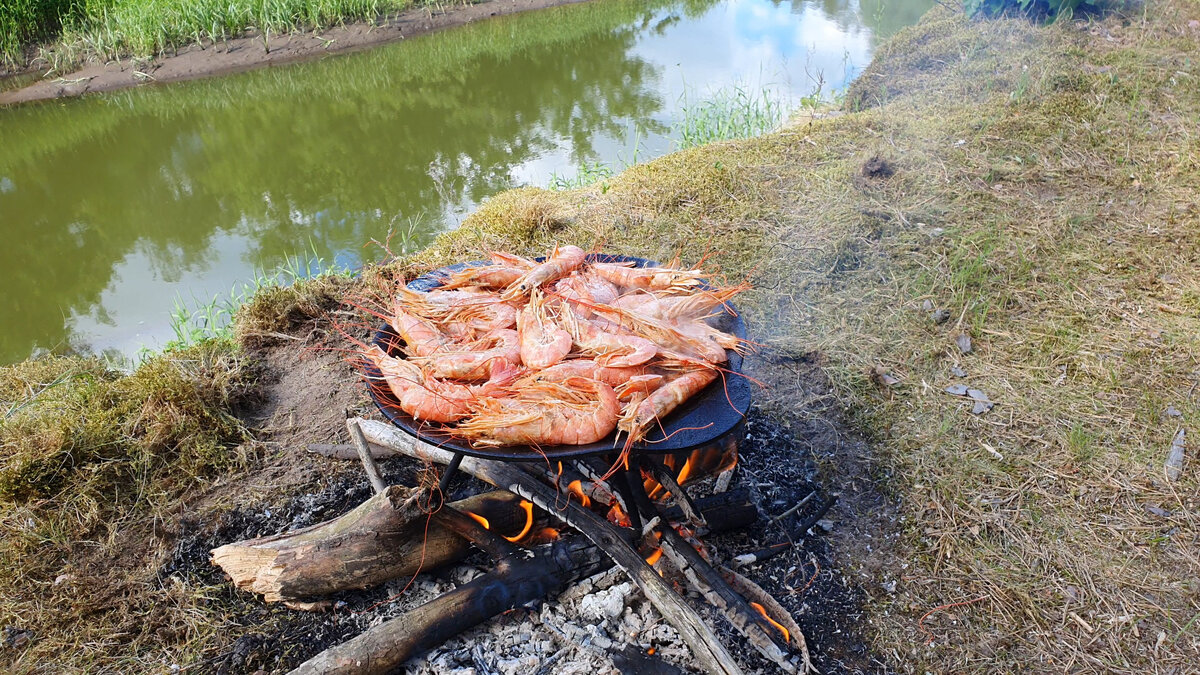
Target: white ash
x=575 y=634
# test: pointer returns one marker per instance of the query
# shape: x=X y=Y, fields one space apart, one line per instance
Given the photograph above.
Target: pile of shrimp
x=562 y=352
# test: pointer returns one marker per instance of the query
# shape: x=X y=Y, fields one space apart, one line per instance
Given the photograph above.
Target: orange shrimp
x=427 y=398
x=686 y=339
x=467 y=363
x=460 y=313
x=610 y=348
x=668 y=278
x=560 y=263
x=696 y=305
x=588 y=369
x=583 y=290
x=504 y=270
x=644 y=410
x=543 y=342
x=421 y=337
x=575 y=412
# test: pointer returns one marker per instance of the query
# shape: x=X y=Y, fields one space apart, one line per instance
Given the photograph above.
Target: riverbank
x=1002 y=206
x=208 y=58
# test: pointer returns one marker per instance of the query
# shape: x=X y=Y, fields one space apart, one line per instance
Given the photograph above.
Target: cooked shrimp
x=423 y=398
x=609 y=348
x=421 y=337
x=504 y=269
x=588 y=369
x=560 y=263
x=459 y=313
x=653 y=278
x=582 y=291
x=667 y=335
x=679 y=307
x=475 y=361
x=543 y=342
x=575 y=412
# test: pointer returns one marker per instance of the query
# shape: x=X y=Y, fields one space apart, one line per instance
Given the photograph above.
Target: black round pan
x=710 y=414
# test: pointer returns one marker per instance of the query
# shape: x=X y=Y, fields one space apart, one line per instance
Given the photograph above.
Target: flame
x=653 y=557
x=617 y=517
x=480 y=519
x=545 y=534
x=528 y=507
x=698 y=464
x=575 y=487
x=787 y=637
x=685 y=471
x=650 y=651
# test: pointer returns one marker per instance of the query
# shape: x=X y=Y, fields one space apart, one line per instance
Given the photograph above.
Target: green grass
x=733 y=112
x=141 y=28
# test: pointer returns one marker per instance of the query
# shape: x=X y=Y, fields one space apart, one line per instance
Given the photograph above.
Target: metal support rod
x=448 y=472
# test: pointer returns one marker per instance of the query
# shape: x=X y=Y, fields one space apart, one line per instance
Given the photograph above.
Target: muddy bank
x=250 y=51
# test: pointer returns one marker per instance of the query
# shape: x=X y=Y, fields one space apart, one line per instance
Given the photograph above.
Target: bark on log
x=710 y=654
x=516 y=580
x=386 y=537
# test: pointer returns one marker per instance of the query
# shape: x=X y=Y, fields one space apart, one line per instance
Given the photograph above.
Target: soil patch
x=249 y=51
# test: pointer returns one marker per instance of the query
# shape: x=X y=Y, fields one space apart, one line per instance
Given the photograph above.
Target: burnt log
x=711 y=656
x=517 y=580
x=388 y=536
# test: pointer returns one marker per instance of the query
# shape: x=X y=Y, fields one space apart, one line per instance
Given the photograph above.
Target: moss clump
x=73 y=427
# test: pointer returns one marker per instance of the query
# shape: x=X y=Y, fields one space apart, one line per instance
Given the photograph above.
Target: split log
x=755 y=627
x=517 y=580
x=386 y=537
x=711 y=656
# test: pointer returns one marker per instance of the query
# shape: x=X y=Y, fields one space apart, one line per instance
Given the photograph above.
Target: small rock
x=957 y=389
x=825 y=524
x=889 y=586
x=958 y=372
x=927 y=305
x=1174 y=463
x=940 y=316
x=964 y=343
x=16 y=638
x=1172 y=411
x=937 y=232
x=1161 y=513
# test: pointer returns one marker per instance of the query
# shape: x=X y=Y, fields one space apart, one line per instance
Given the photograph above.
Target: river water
x=116 y=208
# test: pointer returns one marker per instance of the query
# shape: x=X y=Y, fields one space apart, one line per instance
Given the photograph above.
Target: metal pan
x=710 y=414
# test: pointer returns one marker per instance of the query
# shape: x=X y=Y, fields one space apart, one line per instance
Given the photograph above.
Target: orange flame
x=480 y=519
x=787 y=637
x=575 y=487
x=653 y=557
x=528 y=507
x=617 y=517
x=545 y=534
x=685 y=471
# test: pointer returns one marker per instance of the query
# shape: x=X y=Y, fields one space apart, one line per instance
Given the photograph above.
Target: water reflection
x=113 y=206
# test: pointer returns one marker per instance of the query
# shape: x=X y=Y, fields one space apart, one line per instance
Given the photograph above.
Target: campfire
x=560 y=513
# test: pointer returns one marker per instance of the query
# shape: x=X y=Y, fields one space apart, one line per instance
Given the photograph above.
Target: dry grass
x=1044 y=194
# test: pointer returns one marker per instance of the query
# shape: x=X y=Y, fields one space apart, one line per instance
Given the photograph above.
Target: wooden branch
x=721 y=595
x=385 y=537
x=364 y=455
x=516 y=580
x=710 y=654
x=663 y=475
x=347 y=450
x=466 y=527
x=752 y=591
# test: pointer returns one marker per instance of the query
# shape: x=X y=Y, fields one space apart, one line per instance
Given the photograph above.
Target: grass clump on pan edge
x=1036 y=182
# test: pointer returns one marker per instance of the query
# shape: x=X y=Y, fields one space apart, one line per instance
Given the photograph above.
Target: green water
x=113 y=208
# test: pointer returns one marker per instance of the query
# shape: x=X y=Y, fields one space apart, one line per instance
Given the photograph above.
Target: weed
x=733 y=112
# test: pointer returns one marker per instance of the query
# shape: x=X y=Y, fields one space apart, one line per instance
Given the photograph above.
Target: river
x=117 y=208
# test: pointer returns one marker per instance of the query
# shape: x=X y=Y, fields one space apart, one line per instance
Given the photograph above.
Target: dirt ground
x=250 y=51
